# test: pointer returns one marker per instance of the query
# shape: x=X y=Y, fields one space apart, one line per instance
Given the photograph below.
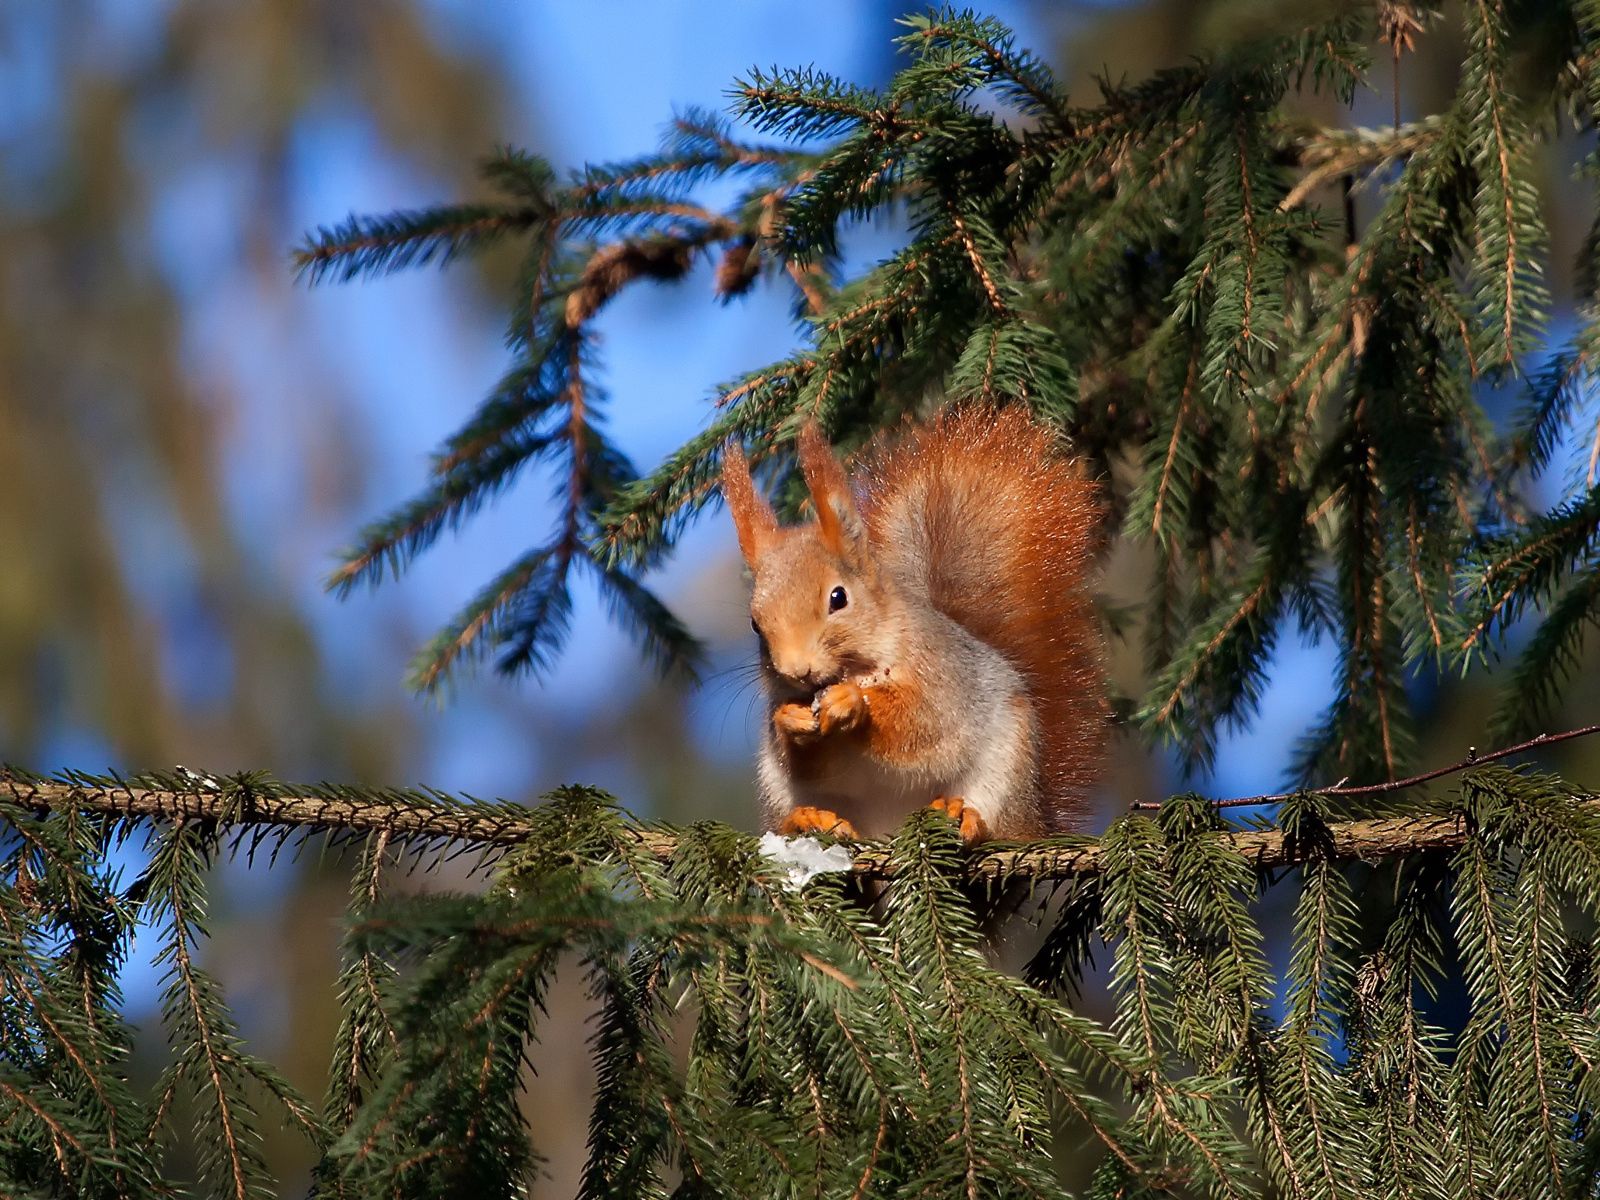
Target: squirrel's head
x=819 y=606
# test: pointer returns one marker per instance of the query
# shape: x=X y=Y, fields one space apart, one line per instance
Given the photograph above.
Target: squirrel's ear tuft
x=753 y=518
x=838 y=520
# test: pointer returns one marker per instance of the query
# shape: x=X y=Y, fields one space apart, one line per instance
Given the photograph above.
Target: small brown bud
x=740 y=265
x=27 y=890
x=613 y=267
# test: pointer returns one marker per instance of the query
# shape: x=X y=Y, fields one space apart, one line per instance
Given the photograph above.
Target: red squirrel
x=929 y=638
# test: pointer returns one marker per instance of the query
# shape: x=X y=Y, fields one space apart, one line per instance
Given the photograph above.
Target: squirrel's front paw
x=970 y=820
x=796 y=723
x=841 y=708
x=807 y=819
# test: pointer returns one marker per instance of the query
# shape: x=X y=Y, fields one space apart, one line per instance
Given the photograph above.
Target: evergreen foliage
x=1290 y=407
x=754 y=1039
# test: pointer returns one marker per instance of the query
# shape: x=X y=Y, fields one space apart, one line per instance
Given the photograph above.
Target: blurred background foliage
x=187 y=436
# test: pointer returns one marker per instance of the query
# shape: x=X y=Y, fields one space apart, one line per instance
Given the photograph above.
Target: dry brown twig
x=1473 y=759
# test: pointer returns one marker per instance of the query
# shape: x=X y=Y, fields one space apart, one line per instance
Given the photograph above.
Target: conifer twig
x=1473 y=759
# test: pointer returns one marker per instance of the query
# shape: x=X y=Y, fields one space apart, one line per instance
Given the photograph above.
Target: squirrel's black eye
x=755 y=627
x=837 y=599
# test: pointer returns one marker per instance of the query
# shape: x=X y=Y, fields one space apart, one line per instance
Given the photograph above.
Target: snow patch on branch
x=803 y=858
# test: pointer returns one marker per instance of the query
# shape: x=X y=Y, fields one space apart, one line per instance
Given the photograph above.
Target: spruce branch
x=806 y=103
x=1510 y=233
x=1331 y=154
x=482 y=622
x=1529 y=566
x=964 y=51
x=210 y=1057
x=366 y=1037
x=261 y=807
x=380 y=245
x=1550 y=658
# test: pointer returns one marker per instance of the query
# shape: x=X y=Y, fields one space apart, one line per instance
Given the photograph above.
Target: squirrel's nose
x=802 y=677
x=800 y=674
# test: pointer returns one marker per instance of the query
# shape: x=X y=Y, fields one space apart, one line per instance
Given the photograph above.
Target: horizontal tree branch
x=403 y=815
x=412 y=817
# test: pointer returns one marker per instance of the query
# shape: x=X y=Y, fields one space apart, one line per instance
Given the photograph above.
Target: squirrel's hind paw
x=970 y=820
x=807 y=819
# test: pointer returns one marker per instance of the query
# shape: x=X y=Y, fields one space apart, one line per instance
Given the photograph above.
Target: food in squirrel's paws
x=945 y=588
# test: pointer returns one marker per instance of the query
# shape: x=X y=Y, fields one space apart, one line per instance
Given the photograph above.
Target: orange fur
x=898 y=711
x=841 y=708
x=829 y=487
x=1003 y=525
x=891 y=717
x=968 y=820
x=796 y=723
x=819 y=820
x=753 y=518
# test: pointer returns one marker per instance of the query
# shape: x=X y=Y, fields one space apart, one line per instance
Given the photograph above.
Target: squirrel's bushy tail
x=982 y=506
